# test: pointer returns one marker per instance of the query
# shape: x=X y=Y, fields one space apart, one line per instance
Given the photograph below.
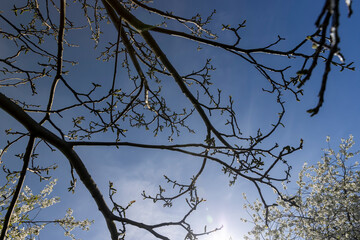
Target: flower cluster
x=68 y=223
x=326 y=202
x=23 y=224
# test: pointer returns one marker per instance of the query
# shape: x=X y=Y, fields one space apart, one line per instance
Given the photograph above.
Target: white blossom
x=22 y=224
x=327 y=199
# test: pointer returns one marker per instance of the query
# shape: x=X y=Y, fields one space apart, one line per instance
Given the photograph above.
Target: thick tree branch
x=143 y=30
x=37 y=130
x=27 y=156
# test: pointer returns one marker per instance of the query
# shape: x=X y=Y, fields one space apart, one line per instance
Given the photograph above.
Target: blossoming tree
x=325 y=206
x=23 y=223
x=144 y=90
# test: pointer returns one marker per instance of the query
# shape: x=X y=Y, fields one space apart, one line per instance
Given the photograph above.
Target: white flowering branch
x=14 y=200
x=327 y=202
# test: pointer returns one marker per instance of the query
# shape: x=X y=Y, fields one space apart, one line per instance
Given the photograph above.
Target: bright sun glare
x=222 y=234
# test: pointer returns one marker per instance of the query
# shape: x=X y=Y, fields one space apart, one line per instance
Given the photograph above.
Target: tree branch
x=37 y=130
x=11 y=208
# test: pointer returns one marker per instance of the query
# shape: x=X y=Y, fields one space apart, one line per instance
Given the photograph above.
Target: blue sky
x=133 y=170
